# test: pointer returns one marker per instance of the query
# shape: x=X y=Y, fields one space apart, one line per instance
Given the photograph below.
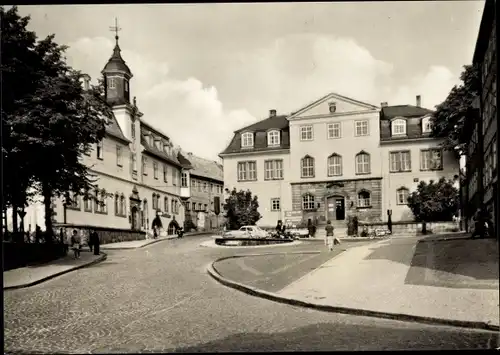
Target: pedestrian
x=329 y=239
x=94 y=240
x=75 y=243
x=280 y=229
x=310 y=228
x=90 y=240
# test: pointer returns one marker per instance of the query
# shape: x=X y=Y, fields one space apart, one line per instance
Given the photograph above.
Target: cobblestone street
x=160 y=298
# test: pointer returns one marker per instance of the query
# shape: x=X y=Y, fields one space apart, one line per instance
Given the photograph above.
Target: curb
x=294 y=243
x=212 y=271
x=103 y=257
x=139 y=247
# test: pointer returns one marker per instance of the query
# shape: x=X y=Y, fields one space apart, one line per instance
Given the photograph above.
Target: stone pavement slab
x=32 y=275
x=354 y=280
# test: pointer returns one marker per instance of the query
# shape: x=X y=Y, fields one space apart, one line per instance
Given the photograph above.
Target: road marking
x=241 y=263
x=286 y=267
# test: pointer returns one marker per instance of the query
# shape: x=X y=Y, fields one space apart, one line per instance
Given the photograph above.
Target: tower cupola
x=117 y=75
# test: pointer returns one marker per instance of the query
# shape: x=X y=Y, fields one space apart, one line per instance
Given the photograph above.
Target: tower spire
x=115 y=29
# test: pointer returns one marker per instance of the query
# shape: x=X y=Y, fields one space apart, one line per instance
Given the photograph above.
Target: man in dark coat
x=95 y=242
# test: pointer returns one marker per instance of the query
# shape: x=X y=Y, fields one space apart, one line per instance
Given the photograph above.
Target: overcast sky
x=203 y=70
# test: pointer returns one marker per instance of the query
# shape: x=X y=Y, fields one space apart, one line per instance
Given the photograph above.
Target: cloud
x=285 y=75
x=190 y=113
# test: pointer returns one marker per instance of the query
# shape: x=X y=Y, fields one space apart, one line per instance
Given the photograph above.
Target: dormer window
x=247 y=140
x=398 y=127
x=158 y=144
x=273 y=138
x=426 y=125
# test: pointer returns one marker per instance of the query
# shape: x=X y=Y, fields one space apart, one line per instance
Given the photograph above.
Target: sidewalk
x=134 y=244
x=32 y=275
x=374 y=278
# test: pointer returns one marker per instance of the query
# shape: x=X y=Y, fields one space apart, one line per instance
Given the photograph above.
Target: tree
x=53 y=122
x=241 y=209
x=450 y=115
x=435 y=201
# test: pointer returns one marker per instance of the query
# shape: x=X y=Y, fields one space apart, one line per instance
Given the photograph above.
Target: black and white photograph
x=249 y=177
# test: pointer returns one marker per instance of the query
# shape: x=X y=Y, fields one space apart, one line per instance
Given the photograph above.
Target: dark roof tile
x=403 y=111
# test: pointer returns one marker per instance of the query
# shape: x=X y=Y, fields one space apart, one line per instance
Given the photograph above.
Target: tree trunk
x=424 y=228
x=47 y=201
x=14 y=219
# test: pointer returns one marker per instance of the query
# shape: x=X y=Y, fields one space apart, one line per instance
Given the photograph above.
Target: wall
x=415 y=228
x=320 y=148
x=265 y=190
x=393 y=181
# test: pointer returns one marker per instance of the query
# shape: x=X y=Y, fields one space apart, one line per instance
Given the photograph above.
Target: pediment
x=331 y=105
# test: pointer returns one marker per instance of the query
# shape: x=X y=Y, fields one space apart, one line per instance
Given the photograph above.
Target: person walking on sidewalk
x=329 y=240
x=75 y=243
x=94 y=241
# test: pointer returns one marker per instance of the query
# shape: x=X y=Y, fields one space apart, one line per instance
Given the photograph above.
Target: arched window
x=334 y=165
x=123 y=208
x=362 y=163
x=308 y=202
x=307 y=167
x=273 y=138
x=247 y=140
x=426 y=125
x=402 y=195
x=398 y=127
x=117 y=205
x=145 y=214
x=364 y=199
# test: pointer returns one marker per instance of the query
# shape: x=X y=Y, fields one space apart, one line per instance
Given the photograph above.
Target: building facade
x=481 y=180
x=258 y=159
x=140 y=174
x=342 y=158
x=202 y=191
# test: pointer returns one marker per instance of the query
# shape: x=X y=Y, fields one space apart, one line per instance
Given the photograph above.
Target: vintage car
x=298 y=232
x=247 y=232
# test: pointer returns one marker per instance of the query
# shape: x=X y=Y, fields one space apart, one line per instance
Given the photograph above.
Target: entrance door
x=330 y=209
x=339 y=209
x=135 y=218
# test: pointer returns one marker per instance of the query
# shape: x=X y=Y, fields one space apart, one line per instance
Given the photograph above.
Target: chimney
x=384 y=104
x=419 y=101
x=86 y=82
x=272 y=113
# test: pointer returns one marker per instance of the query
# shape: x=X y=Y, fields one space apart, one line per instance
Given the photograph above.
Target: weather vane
x=115 y=29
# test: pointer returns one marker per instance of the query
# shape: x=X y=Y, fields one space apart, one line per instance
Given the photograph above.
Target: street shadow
x=66 y=261
x=328 y=337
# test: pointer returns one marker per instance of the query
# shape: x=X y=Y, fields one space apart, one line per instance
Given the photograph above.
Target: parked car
x=299 y=232
x=247 y=232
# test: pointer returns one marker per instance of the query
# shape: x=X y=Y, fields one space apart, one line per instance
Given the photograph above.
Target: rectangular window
x=184 y=182
x=275 y=204
x=165 y=173
x=333 y=130
x=335 y=165
x=247 y=140
x=247 y=171
x=273 y=169
x=205 y=206
x=361 y=128
x=400 y=161
x=212 y=188
x=199 y=186
x=144 y=166
x=194 y=206
x=306 y=133
x=431 y=159
x=174 y=177
x=155 y=170
x=132 y=130
x=273 y=138
x=118 y=155
x=133 y=159
x=111 y=83
x=362 y=163
x=100 y=150
x=199 y=207
x=205 y=189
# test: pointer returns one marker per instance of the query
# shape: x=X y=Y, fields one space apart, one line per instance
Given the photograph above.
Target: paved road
x=160 y=298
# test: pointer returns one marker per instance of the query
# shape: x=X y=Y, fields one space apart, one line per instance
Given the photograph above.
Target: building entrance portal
x=335 y=206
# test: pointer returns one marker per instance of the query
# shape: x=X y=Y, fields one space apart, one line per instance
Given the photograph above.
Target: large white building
x=335 y=158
